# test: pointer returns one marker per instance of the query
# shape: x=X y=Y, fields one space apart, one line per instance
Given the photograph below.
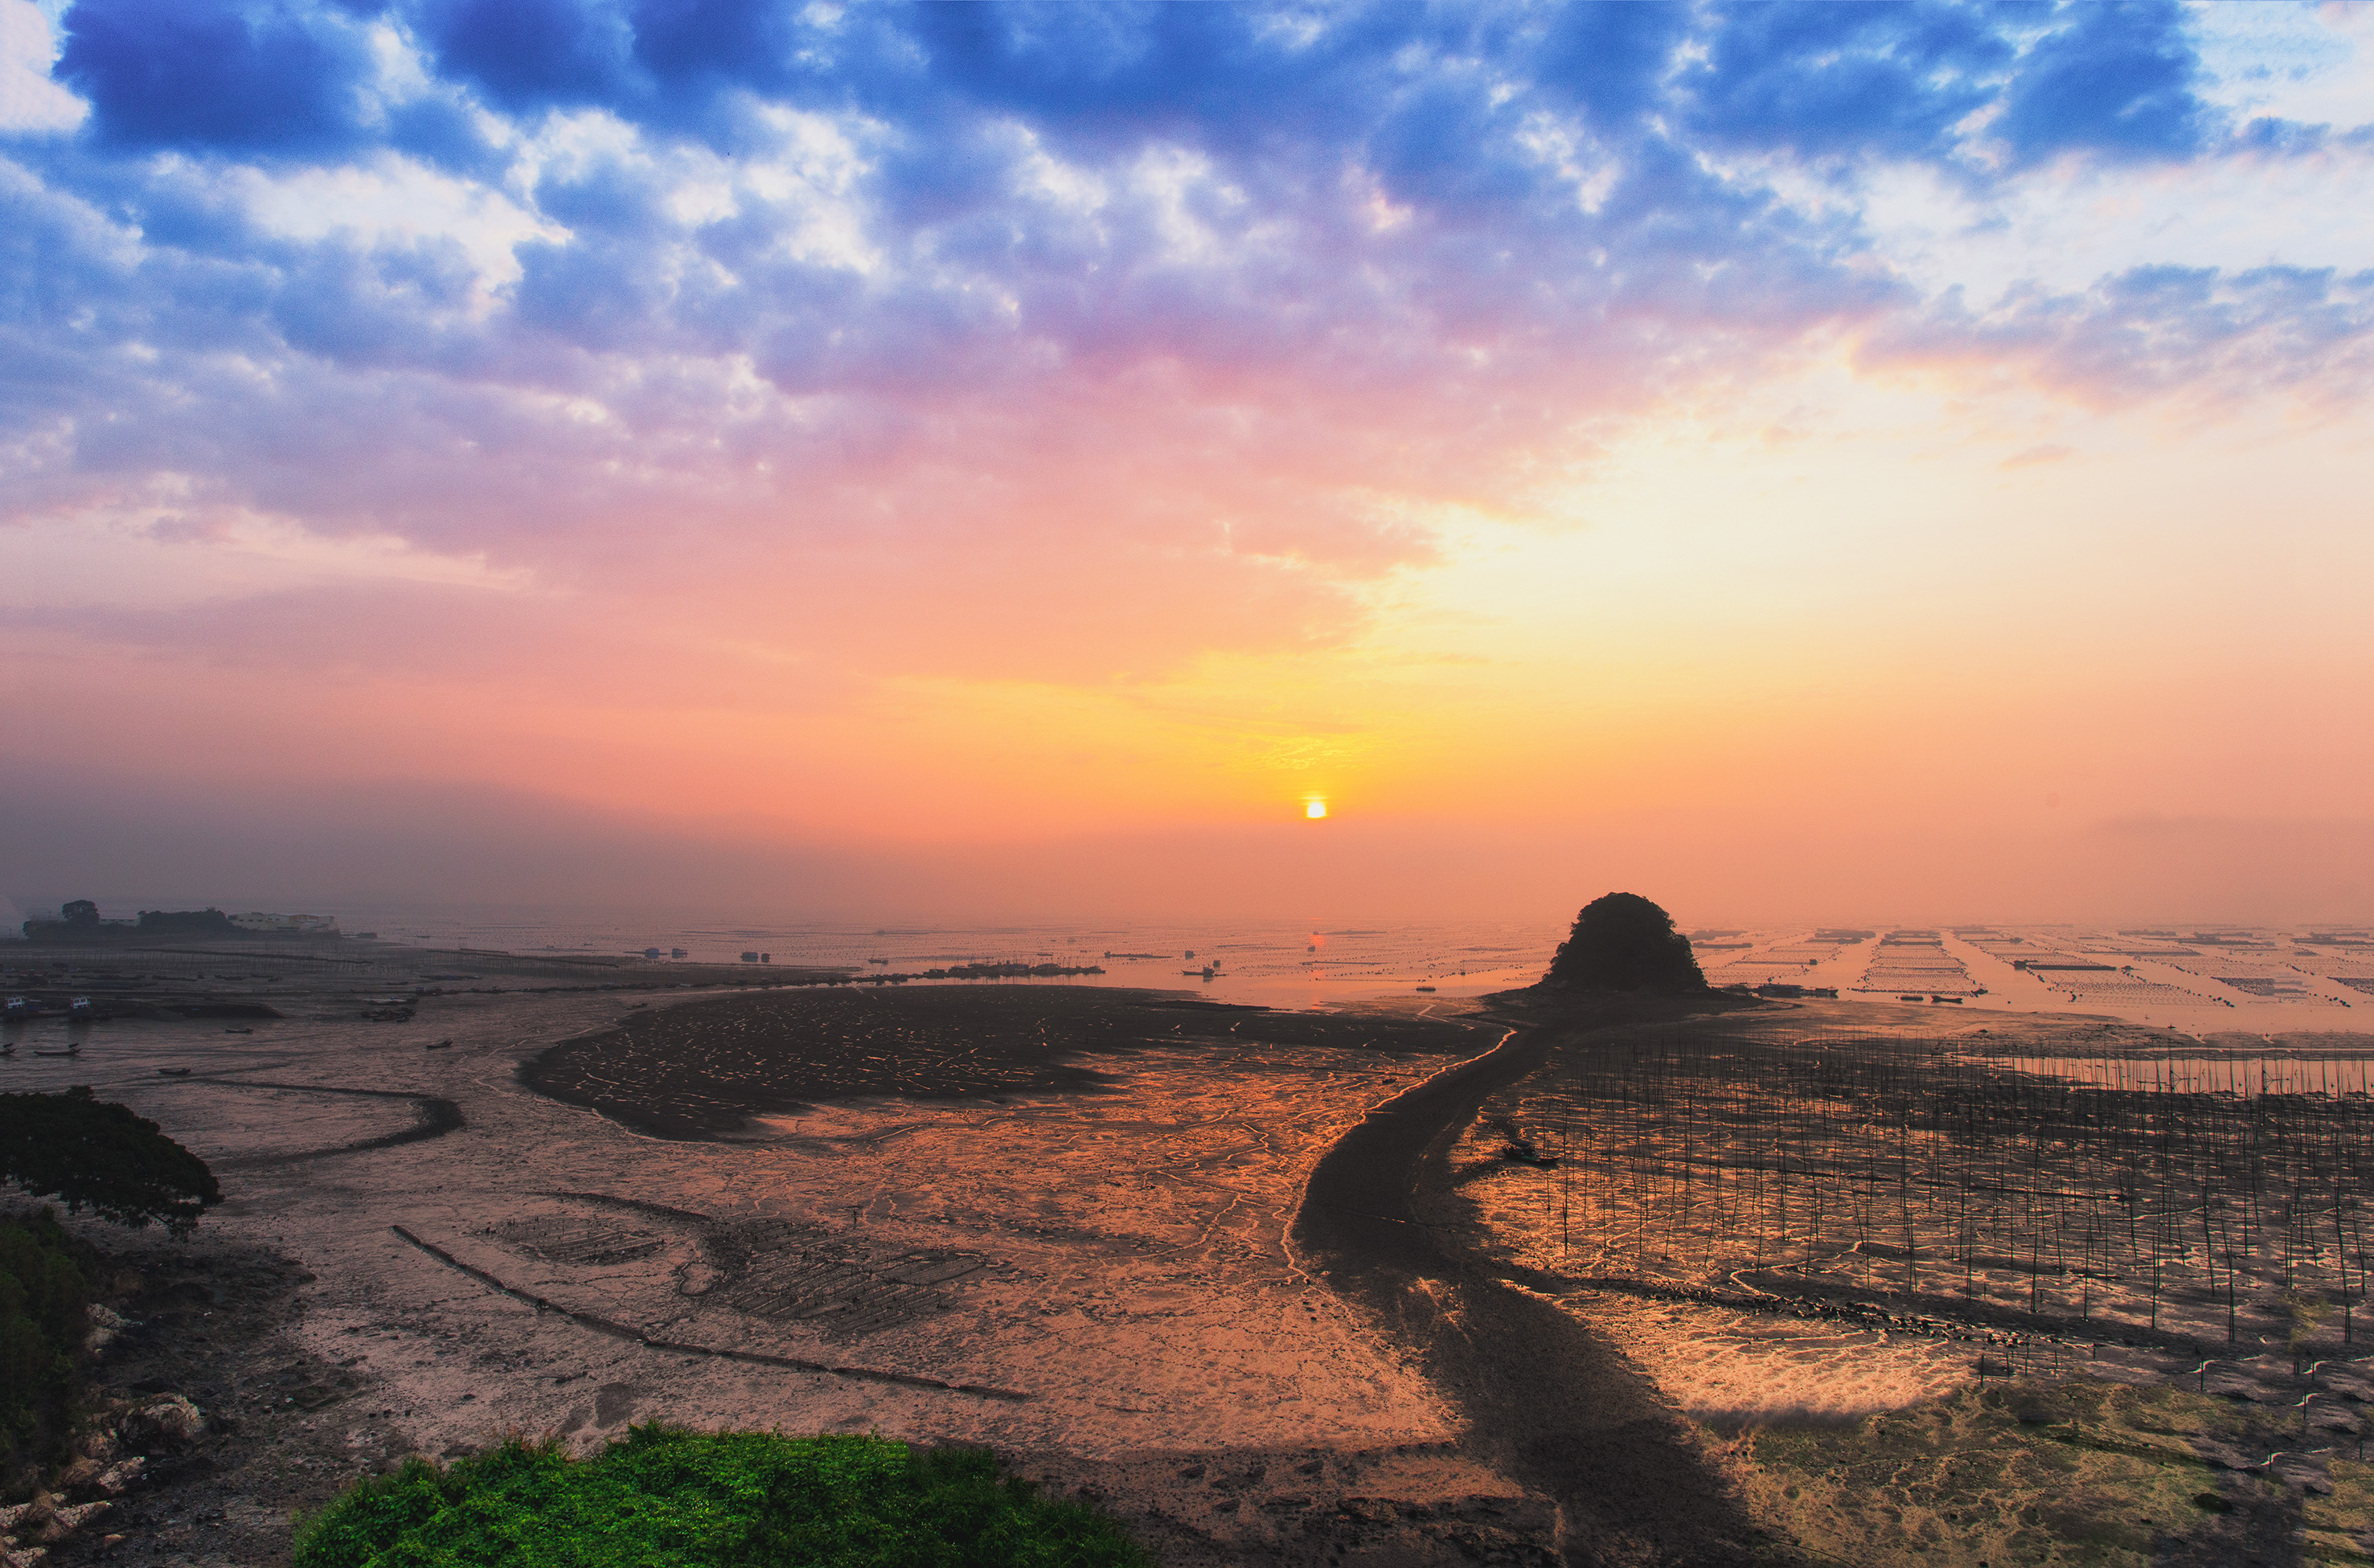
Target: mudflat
x=1091 y=1275
x=711 y=1068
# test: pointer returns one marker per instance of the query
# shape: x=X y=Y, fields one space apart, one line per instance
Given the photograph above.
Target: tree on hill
x=97 y=1155
x=1623 y=943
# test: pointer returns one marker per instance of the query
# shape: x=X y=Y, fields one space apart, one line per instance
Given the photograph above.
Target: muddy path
x=1543 y=1399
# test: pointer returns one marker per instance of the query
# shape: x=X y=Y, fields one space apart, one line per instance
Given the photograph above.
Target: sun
x=1314 y=808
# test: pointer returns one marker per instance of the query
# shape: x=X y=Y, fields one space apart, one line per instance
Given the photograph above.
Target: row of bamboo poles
x=1916 y=1169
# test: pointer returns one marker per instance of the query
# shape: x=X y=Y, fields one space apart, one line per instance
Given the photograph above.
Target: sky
x=1796 y=461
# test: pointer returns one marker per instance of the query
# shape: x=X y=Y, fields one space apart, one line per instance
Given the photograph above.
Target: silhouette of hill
x=1623 y=943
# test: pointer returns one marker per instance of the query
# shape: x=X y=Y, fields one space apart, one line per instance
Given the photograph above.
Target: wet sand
x=712 y=1068
x=1836 y=1395
x=1245 y=1277
x=1099 y=1285
x=1543 y=1398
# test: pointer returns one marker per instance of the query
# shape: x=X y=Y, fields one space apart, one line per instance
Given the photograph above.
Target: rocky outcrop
x=167 y=1424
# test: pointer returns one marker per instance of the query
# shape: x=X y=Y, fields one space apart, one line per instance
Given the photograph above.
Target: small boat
x=70 y=1051
x=173 y=1072
x=1426 y=987
x=239 y=1030
x=439 y=1045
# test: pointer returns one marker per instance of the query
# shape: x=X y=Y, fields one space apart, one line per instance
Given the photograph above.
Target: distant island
x=79 y=920
x=1622 y=942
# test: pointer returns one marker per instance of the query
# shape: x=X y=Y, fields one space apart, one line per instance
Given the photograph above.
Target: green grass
x=664 y=1495
x=41 y=1298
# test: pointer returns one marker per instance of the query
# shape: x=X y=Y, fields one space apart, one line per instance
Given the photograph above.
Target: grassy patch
x=664 y=1495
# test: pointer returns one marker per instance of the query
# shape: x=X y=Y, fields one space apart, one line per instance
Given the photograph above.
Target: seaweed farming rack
x=2185 y=1201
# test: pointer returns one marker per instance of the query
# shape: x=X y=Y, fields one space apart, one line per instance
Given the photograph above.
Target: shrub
x=665 y=1495
x=1623 y=943
x=97 y=1155
x=41 y=1298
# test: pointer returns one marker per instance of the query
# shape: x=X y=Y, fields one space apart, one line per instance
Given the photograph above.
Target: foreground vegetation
x=94 y=1154
x=43 y=1294
x=664 y=1495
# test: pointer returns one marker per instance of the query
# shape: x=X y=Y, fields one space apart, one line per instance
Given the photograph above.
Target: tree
x=41 y=1299
x=1623 y=943
x=97 y=1155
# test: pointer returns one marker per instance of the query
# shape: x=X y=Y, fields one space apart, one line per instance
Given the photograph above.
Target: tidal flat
x=2044 y=1288
x=1090 y=1274
x=1409 y=1282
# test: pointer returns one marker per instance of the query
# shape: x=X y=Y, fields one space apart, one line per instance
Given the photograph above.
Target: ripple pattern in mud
x=711 y=1068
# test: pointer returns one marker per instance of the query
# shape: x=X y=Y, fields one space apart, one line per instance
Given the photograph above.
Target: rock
x=29 y=1557
x=117 y=1479
x=99 y=1445
x=63 y=1522
x=167 y=1424
x=105 y=1326
x=80 y=1476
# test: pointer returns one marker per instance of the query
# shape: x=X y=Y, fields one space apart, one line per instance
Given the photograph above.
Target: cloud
x=266 y=79
x=2212 y=337
x=1027 y=342
x=2036 y=456
x=28 y=99
x=2117 y=79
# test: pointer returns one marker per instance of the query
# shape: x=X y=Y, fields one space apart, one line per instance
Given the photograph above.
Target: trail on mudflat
x=1545 y=1401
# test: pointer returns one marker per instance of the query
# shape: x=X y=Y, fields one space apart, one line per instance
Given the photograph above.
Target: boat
x=173 y=1072
x=439 y=1045
x=1426 y=987
x=239 y=1030
x=70 y=1051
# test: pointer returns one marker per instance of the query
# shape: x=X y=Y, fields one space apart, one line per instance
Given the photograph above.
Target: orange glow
x=1821 y=678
